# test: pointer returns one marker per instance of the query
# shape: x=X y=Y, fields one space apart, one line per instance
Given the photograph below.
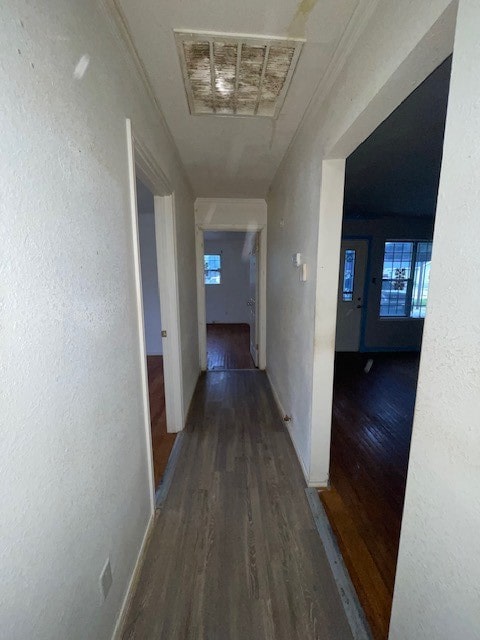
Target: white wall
x=226 y=212
x=387 y=60
x=437 y=593
x=227 y=302
x=150 y=291
x=74 y=469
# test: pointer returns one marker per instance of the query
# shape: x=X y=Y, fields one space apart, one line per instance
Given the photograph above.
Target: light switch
x=303 y=273
x=297 y=259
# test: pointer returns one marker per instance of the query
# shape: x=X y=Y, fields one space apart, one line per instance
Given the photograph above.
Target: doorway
x=391 y=188
x=155 y=270
x=162 y=441
x=231 y=291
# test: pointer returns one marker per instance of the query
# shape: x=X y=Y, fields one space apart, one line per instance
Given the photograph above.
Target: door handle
x=359 y=306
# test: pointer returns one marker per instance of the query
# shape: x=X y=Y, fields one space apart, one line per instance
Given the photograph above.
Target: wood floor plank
x=235 y=554
x=371 y=432
x=162 y=441
x=228 y=347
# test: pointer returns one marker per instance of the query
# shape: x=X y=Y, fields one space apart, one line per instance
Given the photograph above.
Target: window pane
x=397 y=264
x=393 y=299
x=212 y=268
x=348 y=275
x=421 y=280
x=212 y=262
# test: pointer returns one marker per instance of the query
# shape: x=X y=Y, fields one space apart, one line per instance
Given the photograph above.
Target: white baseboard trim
x=319 y=484
x=132 y=585
x=283 y=413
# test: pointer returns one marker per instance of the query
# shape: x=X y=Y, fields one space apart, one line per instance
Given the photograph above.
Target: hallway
x=235 y=553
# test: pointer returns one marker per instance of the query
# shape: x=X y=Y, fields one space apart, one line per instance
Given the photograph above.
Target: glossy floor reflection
x=228 y=347
x=371 y=432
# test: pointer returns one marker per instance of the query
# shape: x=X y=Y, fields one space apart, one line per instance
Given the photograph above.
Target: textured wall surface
x=437 y=590
x=375 y=78
x=73 y=446
x=150 y=291
x=227 y=302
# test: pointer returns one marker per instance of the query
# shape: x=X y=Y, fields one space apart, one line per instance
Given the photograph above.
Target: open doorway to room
x=391 y=187
x=231 y=293
x=162 y=441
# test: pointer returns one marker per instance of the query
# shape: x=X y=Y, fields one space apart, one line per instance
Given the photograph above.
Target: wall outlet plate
x=106 y=579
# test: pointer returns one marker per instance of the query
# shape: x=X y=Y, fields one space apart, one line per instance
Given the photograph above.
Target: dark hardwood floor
x=371 y=432
x=234 y=554
x=228 y=347
x=162 y=442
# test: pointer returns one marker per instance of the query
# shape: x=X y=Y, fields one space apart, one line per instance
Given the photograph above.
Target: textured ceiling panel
x=231 y=75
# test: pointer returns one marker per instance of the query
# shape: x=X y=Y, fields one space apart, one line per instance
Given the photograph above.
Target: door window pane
x=213 y=269
x=348 y=275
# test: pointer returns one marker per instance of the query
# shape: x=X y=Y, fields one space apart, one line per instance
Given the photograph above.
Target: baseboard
x=283 y=413
x=164 y=488
x=351 y=604
x=132 y=585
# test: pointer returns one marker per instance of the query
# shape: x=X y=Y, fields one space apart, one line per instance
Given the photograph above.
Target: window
x=405 y=281
x=348 y=275
x=213 y=269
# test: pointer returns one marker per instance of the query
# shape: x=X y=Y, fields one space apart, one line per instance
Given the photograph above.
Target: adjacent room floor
x=234 y=552
x=162 y=442
x=372 y=426
x=228 y=347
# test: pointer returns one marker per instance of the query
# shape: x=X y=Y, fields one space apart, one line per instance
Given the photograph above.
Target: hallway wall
x=436 y=594
x=75 y=486
x=438 y=573
x=293 y=338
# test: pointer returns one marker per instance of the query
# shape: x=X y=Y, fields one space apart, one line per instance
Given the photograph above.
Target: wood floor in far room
x=162 y=442
x=371 y=432
x=228 y=347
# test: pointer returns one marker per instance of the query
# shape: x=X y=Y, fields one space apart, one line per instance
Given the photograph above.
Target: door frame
x=422 y=60
x=261 y=229
x=142 y=165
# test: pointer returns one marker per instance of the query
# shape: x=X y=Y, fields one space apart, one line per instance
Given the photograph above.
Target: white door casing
x=252 y=301
x=142 y=165
x=261 y=300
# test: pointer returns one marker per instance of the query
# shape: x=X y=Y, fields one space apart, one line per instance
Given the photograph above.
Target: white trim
x=132 y=585
x=143 y=165
x=262 y=287
x=140 y=316
x=283 y=413
x=165 y=235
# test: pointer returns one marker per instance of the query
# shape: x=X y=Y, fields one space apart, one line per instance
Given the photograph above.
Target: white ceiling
x=233 y=156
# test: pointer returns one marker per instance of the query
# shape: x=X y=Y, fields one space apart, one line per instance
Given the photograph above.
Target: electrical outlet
x=106 y=579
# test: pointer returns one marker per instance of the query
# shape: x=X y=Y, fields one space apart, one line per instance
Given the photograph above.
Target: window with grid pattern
x=405 y=280
x=213 y=268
